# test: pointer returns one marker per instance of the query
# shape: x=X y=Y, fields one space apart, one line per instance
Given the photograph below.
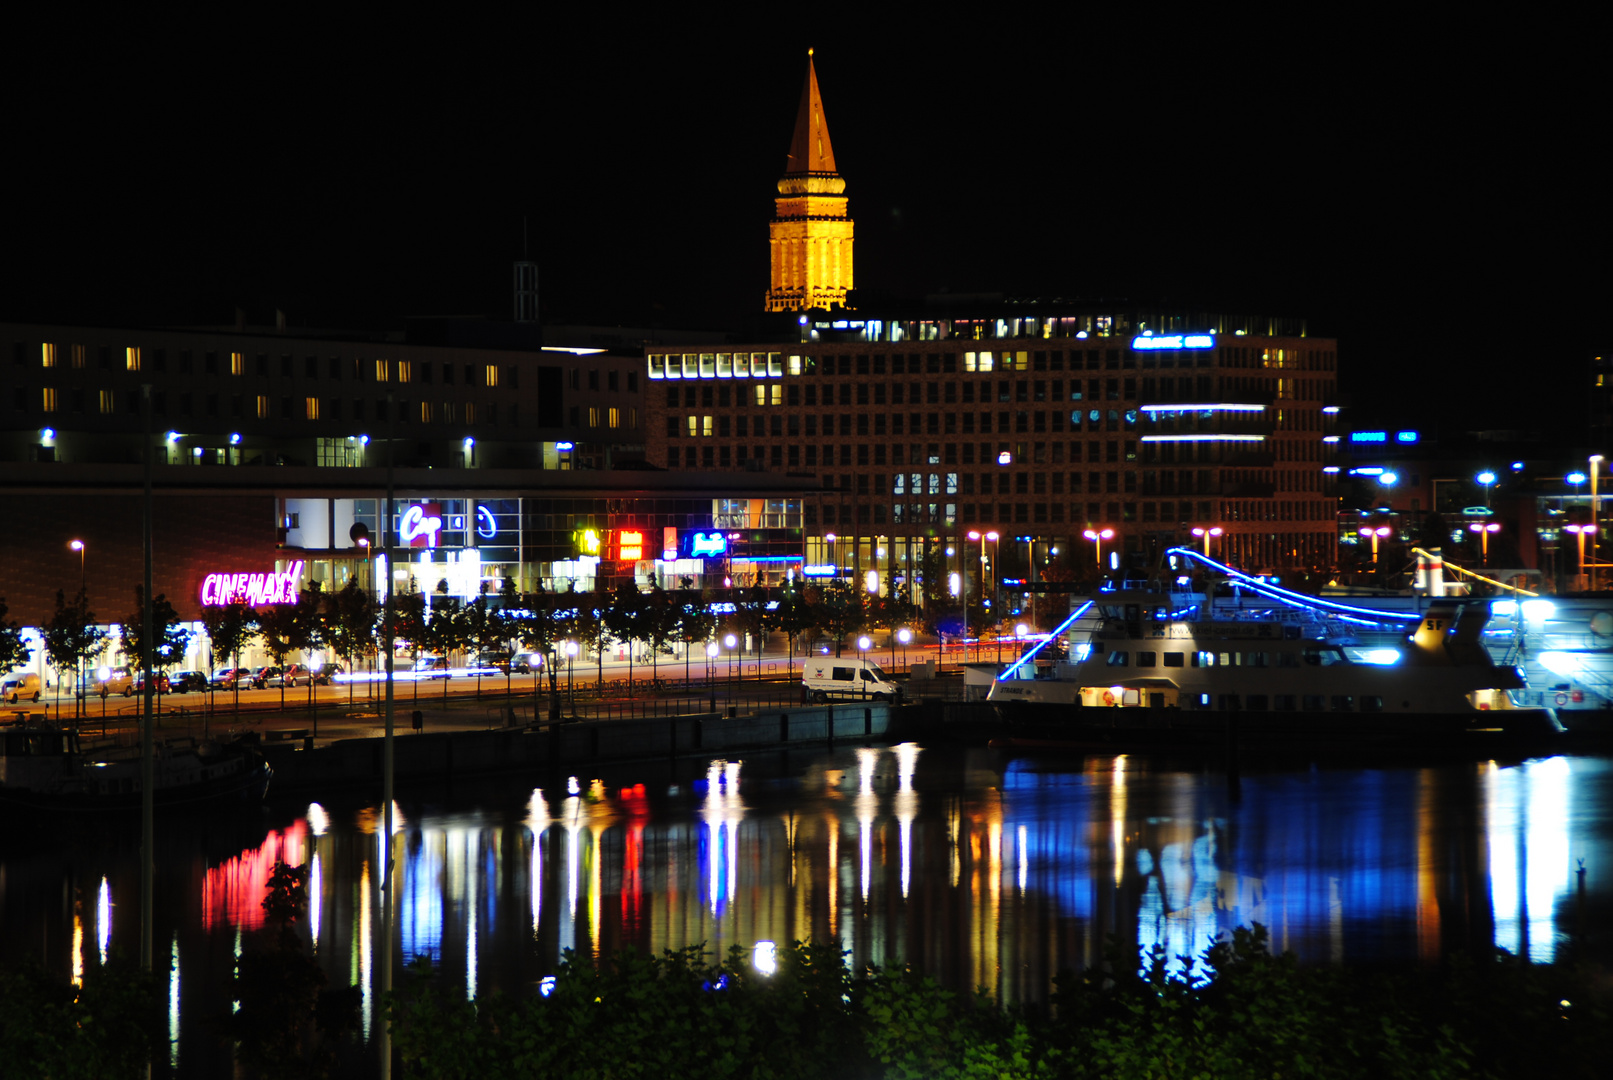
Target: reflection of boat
x=50 y=769
x=1166 y=661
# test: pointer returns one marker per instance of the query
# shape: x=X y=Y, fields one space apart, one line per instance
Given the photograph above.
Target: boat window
x=1228 y=659
x=1323 y=656
x=1118 y=659
x=1257 y=703
x=1229 y=703
x=1203 y=659
x=1314 y=703
x=1343 y=703
x=1287 y=659
x=1372 y=704
x=1283 y=702
x=1173 y=659
x=1146 y=659
x=1257 y=659
x=1197 y=701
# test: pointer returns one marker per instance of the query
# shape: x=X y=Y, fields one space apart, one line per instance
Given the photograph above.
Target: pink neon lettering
x=254 y=589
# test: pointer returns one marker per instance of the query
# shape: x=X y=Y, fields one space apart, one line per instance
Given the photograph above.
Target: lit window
x=263 y=406
x=706 y=426
x=78 y=356
x=108 y=401
x=448 y=412
x=131 y=358
x=593 y=416
x=381 y=373
x=613 y=418
x=632 y=416
x=49 y=404
x=470 y=412
x=778 y=394
x=47 y=355
x=403 y=371
x=311 y=408
x=761 y=394
x=694 y=427
x=237 y=364
x=425 y=406
x=793 y=365
x=492 y=374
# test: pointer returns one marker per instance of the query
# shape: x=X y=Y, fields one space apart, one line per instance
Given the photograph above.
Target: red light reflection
x=234 y=891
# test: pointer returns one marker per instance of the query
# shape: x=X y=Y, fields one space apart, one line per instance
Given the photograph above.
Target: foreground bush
x=1239 y=1011
x=105 y=1028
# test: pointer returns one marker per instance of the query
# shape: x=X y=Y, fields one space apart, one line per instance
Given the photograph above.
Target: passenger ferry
x=1182 y=657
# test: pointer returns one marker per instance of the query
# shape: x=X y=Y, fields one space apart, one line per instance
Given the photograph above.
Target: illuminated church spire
x=810 y=235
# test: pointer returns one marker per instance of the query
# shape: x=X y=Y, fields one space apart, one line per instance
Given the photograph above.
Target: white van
x=20 y=686
x=847 y=677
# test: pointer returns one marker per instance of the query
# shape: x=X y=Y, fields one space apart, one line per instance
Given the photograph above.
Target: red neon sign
x=629 y=545
x=255 y=590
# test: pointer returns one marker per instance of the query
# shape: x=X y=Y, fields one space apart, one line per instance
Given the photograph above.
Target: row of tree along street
x=350 y=624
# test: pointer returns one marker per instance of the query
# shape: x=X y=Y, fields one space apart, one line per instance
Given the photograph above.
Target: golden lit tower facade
x=810 y=235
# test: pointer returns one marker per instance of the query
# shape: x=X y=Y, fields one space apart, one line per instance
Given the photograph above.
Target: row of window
x=769 y=365
x=335 y=367
x=723 y=426
x=1003 y=454
x=287 y=407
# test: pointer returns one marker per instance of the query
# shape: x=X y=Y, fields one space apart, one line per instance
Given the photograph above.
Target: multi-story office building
x=1038 y=425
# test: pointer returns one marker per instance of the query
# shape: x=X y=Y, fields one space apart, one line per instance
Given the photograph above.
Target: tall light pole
x=730 y=641
x=711 y=672
x=1206 y=534
x=83 y=589
x=904 y=635
x=864 y=643
x=1579 y=531
x=1375 y=534
x=1484 y=530
x=1596 y=516
x=1487 y=478
x=1098 y=536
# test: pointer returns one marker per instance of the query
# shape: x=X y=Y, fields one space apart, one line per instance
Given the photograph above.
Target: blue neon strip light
x=1080 y=611
x=767 y=558
x=1288 y=597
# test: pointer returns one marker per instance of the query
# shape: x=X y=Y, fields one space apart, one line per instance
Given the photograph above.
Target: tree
x=72 y=639
x=793 y=617
x=483 y=629
x=14 y=652
x=751 y=616
x=229 y=627
x=659 y=624
x=289 y=1020
x=539 y=629
x=587 y=626
x=350 y=624
x=841 y=610
x=278 y=625
x=169 y=638
x=695 y=626
x=624 y=618
x=443 y=632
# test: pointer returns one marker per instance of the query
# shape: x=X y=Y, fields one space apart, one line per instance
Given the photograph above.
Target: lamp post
x=1487 y=478
x=1484 y=530
x=711 y=673
x=829 y=538
x=1596 y=515
x=863 y=644
x=904 y=635
x=1098 y=536
x=730 y=641
x=78 y=546
x=1375 y=534
x=1579 y=532
x=571 y=692
x=1206 y=534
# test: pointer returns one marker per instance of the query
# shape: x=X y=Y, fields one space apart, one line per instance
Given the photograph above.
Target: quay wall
x=440 y=755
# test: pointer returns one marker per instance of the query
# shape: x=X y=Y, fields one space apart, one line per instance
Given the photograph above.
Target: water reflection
x=981 y=870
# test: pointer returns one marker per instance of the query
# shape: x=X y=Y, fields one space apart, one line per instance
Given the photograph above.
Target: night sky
x=1431 y=194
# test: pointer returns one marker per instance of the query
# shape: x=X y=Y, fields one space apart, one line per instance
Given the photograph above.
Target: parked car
x=225 y=678
x=432 y=667
x=325 y=674
x=183 y=682
x=293 y=676
x=161 y=681
x=129 y=682
x=20 y=686
x=261 y=675
x=497 y=660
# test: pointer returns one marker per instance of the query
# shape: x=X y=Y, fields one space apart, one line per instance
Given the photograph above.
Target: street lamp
x=1376 y=534
x=711 y=673
x=1206 y=534
x=1098 y=536
x=1579 y=531
x=571 y=656
x=730 y=641
x=904 y=635
x=1484 y=531
x=1487 y=478
x=78 y=546
x=863 y=645
x=1596 y=514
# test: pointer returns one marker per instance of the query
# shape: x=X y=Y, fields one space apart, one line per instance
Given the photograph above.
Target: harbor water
x=983 y=868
